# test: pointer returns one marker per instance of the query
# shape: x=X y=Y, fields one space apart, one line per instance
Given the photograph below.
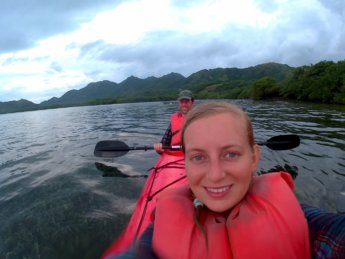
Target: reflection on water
x=111 y=170
x=56 y=204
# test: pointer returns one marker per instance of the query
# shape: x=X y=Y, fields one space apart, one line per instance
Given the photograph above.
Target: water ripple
x=49 y=182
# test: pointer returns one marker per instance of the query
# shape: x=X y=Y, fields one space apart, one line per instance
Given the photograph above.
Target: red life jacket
x=177 y=120
x=268 y=223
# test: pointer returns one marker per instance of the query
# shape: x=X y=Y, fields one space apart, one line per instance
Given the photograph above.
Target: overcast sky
x=50 y=47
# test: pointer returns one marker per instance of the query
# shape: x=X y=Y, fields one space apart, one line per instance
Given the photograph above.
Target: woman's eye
x=197 y=158
x=231 y=155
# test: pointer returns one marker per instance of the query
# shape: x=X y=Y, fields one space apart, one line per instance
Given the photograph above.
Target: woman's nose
x=216 y=171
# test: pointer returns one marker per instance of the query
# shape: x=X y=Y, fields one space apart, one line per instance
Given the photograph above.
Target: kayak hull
x=168 y=172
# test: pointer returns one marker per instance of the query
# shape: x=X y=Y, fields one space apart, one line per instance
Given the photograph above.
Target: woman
x=226 y=211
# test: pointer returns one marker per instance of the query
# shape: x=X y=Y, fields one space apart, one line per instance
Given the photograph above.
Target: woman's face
x=220 y=162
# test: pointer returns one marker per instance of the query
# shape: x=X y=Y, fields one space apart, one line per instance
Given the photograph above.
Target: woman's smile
x=217 y=192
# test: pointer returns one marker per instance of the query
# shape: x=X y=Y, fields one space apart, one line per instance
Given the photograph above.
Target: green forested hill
x=322 y=82
x=18 y=106
x=97 y=90
x=134 y=89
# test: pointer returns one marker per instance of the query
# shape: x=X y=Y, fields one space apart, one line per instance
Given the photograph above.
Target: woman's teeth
x=222 y=189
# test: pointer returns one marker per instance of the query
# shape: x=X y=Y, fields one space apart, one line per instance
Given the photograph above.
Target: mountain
x=220 y=80
x=274 y=70
x=97 y=90
x=17 y=106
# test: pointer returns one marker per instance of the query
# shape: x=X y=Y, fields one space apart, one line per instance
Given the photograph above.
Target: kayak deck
x=168 y=172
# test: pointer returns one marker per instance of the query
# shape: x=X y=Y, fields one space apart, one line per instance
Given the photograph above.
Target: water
x=54 y=202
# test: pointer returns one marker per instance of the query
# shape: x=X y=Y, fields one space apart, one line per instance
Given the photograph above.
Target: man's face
x=185 y=105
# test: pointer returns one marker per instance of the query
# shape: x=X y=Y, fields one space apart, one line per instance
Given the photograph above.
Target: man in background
x=172 y=135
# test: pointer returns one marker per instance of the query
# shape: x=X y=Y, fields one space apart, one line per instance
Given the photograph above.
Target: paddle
x=116 y=148
x=282 y=142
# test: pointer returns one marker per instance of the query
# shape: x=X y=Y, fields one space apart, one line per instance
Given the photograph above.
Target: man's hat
x=185 y=94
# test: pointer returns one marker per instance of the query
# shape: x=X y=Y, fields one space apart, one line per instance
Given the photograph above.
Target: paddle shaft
x=177 y=147
x=116 y=148
x=120 y=149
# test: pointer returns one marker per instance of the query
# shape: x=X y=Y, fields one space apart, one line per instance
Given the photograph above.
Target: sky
x=50 y=47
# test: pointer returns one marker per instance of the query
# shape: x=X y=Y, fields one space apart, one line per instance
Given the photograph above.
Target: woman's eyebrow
x=194 y=149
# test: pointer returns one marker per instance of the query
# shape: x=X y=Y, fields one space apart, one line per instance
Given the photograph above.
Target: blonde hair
x=212 y=108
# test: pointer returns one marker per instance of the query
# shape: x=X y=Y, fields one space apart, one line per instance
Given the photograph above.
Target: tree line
x=323 y=82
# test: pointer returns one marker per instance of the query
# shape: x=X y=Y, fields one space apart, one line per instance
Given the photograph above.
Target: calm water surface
x=55 y=203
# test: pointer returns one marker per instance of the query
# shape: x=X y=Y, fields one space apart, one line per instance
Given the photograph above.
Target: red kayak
x=168 y=172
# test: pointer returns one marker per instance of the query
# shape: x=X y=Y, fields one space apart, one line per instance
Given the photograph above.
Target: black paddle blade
x=282 y=142
x=111 y=148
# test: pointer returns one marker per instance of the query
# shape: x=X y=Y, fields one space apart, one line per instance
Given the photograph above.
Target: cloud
x=49 y=48
x=24 y=22
x=56 y=67
x=288 y=36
